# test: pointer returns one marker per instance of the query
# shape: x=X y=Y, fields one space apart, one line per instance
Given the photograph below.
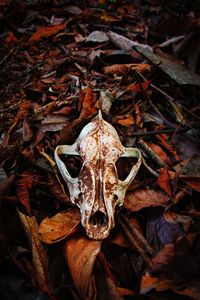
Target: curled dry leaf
x=60 y=226
x=122 y=69
x=80 y=254
x=46 y=32
x=139 y=199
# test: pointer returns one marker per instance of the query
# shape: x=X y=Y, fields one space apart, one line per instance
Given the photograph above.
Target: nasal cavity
x=98 y=219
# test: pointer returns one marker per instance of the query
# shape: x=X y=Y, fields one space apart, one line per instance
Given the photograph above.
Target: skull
x=97 y=189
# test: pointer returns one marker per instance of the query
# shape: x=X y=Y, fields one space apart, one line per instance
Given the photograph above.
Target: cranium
x=97 y=189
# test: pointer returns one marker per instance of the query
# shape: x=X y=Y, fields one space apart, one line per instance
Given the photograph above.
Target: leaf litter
x=60 y=63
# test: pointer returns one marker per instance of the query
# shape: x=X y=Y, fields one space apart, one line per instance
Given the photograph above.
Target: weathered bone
x=97 y=190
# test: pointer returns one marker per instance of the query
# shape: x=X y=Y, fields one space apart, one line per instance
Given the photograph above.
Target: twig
x=6 y=57
x=161 y=131
x=134 y=241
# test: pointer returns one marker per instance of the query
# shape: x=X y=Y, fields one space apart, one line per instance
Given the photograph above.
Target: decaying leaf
x=122 y=69
x=139 y=199
x=39 y=252
x=60 y=226
x=80 y=254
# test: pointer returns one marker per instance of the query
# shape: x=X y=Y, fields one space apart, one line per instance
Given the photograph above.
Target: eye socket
x=73 y=164
x=124 y=166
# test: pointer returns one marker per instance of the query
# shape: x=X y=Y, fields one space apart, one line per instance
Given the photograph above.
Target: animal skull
x=97 y=190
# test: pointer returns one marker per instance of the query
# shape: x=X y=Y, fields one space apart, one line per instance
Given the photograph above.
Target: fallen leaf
x=46 y=32
x=80 y=254
x=139 y=199
x=124 y=43
x=164 y=181
x=60 y=226
x=139 y=87
x=126 y=121
x=176 y=71
x=160 y=152
x=57 y=190
x=97 y=37
x=122 y=69
x=88 y=109
x=53 y=123
x=160 y=232
x=39 y=252
x=175 y=267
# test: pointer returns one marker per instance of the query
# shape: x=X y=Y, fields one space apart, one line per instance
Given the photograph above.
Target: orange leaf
x=80 y=254
x=164 y=181
x=46 y=32
x=60 y=226
x=127 y=121
x=139 y=87
x=141 y=198
x=160 y=152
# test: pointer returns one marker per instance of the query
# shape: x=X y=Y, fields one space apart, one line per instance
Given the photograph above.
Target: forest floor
x=138 y=62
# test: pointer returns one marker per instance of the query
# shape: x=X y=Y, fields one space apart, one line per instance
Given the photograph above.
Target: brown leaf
x=139 y=199
x=46 y=32
x=160 y=152
x=176 y=267
x=26 y=181
x=57 y=190
x=122 y=69
x=80 y=254
x=53 y=123
x=164 y=181
x=39 y=252
x=87 y=104
x=60 y=226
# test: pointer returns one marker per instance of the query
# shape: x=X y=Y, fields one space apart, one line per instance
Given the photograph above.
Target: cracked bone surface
x=97 y=190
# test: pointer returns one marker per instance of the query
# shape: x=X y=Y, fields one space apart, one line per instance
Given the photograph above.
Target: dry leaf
x=53 y=123
x=139 y=87
x=164 y=181
x=126 y=121
x=80 y=253
x=160 y=152
x=39 y=252
x=122 y=69
x=46 y=32
x=60 y=226
x=139 y=199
